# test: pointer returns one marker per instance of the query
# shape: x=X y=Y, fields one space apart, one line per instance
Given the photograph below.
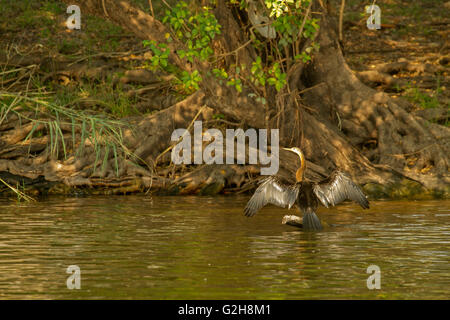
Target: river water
x=142 y=247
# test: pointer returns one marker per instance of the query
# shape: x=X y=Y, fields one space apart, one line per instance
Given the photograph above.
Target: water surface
x=204 y=248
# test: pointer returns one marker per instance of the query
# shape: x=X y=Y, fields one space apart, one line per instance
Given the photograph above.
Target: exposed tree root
x=374 y=123
x=212 y=179
x=326 y=110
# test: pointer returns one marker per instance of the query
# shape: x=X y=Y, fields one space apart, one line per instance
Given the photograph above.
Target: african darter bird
x=307 y=195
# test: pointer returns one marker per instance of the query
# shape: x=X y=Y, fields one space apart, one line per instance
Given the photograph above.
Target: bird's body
x=307 y=195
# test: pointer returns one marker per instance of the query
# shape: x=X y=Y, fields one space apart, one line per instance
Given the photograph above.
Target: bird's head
x=295 y=150
x=301 y=170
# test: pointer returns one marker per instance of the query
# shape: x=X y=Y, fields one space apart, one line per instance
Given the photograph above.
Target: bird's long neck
x=301 y=171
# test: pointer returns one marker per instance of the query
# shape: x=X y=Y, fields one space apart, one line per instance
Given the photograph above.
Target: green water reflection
x=204 y=248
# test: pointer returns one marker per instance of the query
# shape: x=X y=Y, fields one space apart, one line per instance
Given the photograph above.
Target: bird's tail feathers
x=311 y=221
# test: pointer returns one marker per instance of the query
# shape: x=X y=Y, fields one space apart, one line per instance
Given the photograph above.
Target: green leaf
x=271 y=81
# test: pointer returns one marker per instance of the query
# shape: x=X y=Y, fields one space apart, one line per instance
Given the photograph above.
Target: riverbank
x=70 y=100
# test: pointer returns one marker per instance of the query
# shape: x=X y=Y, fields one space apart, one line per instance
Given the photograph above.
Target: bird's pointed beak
x=288 y=149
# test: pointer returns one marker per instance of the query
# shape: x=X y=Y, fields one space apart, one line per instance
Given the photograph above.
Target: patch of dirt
x=408 y=57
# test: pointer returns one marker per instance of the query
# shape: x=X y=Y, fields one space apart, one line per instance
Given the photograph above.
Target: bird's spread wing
x=273 y=191
x=337 y=188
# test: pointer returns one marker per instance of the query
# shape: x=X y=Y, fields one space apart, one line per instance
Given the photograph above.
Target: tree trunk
x=325 y=109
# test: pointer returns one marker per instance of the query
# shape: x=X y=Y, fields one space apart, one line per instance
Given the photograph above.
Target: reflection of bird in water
x=331 y=191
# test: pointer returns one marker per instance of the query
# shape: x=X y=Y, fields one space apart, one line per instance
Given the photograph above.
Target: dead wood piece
x=292 y=220
x=445 y=60
x=395 y=67
x=12 y=137
x=373 y=77
x=146 y=89
x=139 y=76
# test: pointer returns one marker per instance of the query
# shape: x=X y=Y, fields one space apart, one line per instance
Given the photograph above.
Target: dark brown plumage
x=307 y=195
